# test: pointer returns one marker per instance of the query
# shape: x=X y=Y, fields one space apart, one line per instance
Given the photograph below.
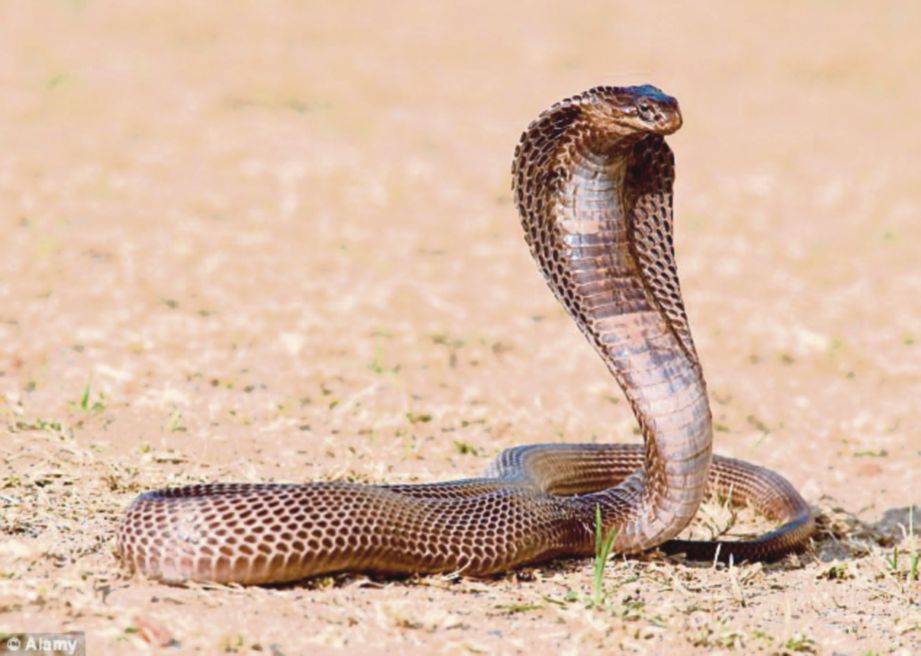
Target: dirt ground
x=274 y=241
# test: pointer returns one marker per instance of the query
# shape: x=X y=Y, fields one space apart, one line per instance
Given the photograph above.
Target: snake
x=592 y=179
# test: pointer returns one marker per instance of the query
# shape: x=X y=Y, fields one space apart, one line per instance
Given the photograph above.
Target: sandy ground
x=270 y=241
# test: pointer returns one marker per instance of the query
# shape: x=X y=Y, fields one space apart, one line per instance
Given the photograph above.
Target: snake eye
x=646 y=111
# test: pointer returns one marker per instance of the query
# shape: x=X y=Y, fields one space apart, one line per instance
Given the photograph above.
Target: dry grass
x=57 y=570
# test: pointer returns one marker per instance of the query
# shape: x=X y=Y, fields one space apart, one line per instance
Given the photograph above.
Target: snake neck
x=591 y=216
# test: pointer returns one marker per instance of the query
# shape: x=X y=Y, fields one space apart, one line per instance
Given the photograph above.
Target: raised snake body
x=592 y=178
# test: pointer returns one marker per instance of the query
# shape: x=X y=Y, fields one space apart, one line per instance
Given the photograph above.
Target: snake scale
x=592 y=180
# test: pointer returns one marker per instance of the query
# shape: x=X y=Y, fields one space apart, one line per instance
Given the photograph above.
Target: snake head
x=643 y=109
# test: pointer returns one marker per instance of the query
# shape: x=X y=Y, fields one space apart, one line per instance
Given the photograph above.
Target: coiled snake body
x=592 y=178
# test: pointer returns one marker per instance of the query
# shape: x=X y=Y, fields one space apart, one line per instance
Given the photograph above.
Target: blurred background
x=275 y=240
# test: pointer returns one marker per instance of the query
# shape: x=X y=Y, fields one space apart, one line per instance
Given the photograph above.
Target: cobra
x=592 y=179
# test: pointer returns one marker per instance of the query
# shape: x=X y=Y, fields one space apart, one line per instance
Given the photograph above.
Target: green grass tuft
x=87 y=404
x=912 y=564
x=603 y=546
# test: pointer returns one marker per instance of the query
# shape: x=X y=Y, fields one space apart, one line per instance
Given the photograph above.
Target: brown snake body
x=592 y=178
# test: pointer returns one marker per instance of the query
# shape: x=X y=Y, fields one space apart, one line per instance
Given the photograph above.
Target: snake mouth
x=650 y=119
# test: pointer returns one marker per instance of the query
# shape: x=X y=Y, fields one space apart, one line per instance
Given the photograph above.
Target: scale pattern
x=592 y=179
